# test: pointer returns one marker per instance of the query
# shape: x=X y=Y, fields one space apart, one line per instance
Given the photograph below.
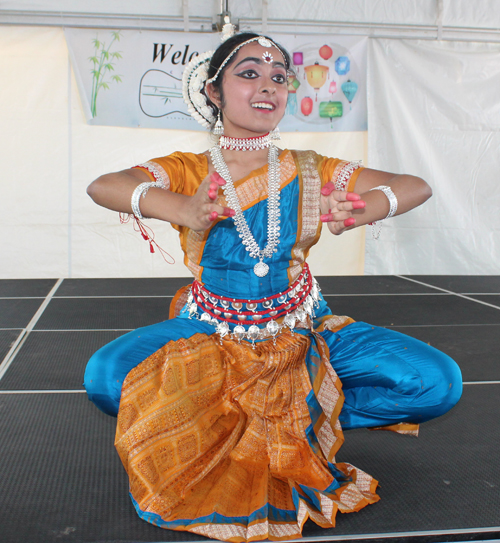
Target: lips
x=264 y=106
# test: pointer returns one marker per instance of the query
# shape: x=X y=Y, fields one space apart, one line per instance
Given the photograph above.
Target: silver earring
x=219 y=127
x=275 y=134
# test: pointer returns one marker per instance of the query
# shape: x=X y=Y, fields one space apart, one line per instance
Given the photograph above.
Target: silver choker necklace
x=273 y=208
x=245 y=144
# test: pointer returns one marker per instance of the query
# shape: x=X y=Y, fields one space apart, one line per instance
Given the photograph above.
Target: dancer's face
x=254 y=88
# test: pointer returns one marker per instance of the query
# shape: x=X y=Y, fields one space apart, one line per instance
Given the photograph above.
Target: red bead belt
x=295 y=304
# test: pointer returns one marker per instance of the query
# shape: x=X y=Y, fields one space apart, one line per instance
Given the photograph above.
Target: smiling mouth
x=264 y=105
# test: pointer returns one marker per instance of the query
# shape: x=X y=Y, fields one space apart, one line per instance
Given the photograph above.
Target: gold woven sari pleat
x=219 y=432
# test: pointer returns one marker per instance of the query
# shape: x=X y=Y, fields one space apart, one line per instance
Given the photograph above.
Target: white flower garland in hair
x=193 y=80
x=228 y=30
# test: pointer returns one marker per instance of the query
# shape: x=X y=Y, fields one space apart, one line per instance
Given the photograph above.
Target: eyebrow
x=276 y=64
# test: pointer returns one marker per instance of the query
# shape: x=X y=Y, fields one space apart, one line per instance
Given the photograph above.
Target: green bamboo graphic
x=103 y=66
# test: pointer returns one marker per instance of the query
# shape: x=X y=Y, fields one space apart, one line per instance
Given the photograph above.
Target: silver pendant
x=289 y=320
x=253 y=332
x=239 y=332
x=272 y=327
x=260 y=269
x=222 y=329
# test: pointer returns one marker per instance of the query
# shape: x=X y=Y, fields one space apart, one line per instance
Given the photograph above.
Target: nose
x=268 y=83
x=268 y=87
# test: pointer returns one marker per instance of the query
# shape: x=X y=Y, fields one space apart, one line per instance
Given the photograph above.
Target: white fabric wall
x=457 y=13
x=50 y=227
x=434 y=111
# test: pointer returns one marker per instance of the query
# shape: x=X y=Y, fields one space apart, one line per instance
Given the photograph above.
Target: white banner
x=134 y=78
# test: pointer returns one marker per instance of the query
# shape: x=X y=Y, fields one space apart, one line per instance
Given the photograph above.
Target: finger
x=338 y=227
x=344 y=196
x=228 y=212
x=336 y=216
x=328 y=189
x=221 y=212
x=352 y=196
x=218 y=179
x=349 y=206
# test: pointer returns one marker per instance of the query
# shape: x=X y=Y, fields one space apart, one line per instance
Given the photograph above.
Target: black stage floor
x=61 y=479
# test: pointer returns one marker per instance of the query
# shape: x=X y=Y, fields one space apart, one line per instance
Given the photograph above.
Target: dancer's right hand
x=202 y=209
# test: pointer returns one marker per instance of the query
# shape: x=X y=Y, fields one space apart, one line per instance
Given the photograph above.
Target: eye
x=279 y=78
x=248 y=74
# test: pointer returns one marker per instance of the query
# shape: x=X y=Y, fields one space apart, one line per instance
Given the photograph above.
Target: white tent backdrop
x=51 y=228
x=432 y=110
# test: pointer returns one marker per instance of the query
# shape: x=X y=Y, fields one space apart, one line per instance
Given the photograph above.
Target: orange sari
x=238 y=443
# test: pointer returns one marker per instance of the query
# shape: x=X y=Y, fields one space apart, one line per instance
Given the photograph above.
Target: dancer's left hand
x=337 y=207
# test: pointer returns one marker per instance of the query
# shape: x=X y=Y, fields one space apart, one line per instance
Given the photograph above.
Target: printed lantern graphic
x=306 y=106
x=316 y=76
x=293 y=85
x=349 y=88
x=330 y=110
x=325 y=52
x=333 y=87
x=342 y=65
x=298 y=60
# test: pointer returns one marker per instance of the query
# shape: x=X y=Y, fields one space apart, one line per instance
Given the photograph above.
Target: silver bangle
x=141 y=190
x=393 y=201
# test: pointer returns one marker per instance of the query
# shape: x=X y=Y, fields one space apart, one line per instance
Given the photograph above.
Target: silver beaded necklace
x=273 y=207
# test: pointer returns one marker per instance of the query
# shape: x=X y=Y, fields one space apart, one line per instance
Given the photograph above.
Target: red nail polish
x=218 y=179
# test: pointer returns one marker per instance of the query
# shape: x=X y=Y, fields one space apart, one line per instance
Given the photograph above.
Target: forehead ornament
x=267 y=57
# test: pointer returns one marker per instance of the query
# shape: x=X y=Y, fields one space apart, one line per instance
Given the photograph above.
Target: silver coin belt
x=295 y=306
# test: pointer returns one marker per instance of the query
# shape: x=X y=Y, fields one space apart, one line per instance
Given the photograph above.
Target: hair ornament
x=264 y=41
x=228 y=30
x=193 y=81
